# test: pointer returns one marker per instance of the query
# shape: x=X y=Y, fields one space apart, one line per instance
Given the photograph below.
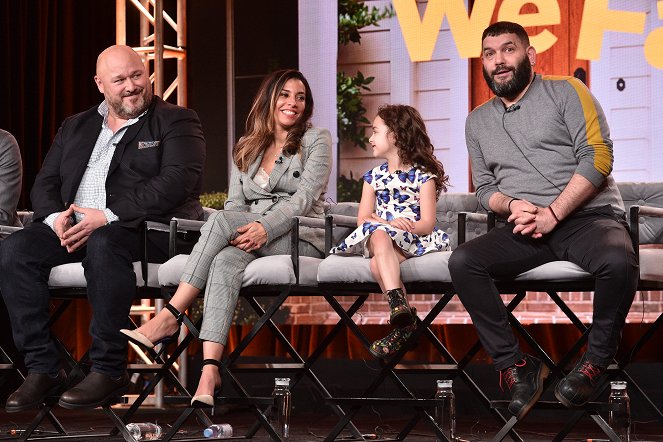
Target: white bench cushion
x=555 y=271
x=308 y=270
x=651 y=264
x=433 y=267
x=268 y=270
x=73 y=275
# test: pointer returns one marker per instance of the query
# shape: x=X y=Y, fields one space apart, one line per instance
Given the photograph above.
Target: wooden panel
x=635 y=94
x=631 y=158
x=351 y=152
x=438 y=131
x=630 y=123
x=445 y=156
x=575 y=19
x=433 y=104
x=624 y=63
x=381 y=71
x=374 y=47
x=372 y=102
x=358 y=167
x=432 y=74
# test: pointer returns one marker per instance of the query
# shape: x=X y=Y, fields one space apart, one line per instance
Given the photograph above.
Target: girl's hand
x=374 y=218
x=252 y=236
x=403 y=224
x=400 y=223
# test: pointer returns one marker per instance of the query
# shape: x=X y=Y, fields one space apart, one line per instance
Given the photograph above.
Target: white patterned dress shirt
x=92 y=189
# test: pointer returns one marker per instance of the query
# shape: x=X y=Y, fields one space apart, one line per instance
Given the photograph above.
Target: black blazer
x=155 y=173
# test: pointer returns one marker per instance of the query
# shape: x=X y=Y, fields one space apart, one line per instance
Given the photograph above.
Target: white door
x=631 y=94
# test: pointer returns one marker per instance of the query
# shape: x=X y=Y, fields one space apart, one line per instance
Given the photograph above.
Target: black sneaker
x=578 y=386
x=525 y=381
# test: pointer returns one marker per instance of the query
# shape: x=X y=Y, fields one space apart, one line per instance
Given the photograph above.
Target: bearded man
x=541 y=159
x=132 y=158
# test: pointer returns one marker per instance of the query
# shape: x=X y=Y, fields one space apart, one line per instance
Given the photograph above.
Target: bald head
x=117 y=55
x=122 y=78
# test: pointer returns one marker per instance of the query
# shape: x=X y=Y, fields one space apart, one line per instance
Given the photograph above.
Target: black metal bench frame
x=299 y=368
x=617 y=370
x=457 y=367
x=161 y=367
x=390 y=368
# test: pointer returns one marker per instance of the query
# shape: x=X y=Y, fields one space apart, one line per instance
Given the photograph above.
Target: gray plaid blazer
x=296 y=187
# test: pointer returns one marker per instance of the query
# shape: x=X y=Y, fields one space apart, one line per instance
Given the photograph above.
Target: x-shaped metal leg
x=614 y=370
x=388 y=370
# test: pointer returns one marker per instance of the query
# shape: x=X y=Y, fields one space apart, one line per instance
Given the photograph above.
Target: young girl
x=396 y=218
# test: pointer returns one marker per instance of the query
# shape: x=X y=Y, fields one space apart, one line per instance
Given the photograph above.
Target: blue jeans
x=26 y=259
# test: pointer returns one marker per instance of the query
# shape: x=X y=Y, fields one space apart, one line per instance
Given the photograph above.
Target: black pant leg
x=600 y=243
x=473 y=265
x=26 y=259
x=111 y=287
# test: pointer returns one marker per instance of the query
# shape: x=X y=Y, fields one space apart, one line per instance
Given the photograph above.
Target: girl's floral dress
x=396 y=195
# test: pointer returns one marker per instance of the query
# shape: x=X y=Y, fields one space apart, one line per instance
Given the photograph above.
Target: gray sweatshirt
x=531 y=150
x=10 y=179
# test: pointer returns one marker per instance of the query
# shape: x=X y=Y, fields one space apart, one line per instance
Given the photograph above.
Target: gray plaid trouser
x=218 y=267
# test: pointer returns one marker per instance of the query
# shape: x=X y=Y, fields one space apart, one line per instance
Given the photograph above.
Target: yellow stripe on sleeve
x=602 y=154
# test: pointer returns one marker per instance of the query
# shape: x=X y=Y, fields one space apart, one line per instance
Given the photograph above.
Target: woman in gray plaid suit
x=280 y=170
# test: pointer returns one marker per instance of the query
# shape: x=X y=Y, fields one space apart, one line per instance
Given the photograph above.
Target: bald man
x=132 y=158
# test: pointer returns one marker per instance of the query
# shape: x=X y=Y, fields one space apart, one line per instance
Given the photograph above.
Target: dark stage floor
x=312 y=420
x=307 y=426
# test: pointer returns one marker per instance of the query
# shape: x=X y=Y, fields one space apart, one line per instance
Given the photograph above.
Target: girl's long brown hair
x=413 y=142
x=259 y=132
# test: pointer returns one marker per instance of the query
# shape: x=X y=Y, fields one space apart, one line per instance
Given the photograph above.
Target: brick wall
x=536 y=308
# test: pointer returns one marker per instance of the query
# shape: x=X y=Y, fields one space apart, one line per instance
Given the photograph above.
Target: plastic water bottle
x=144 y=431
x=280 y=416
x=445 y=410
x=218 y=431
x=620 y=418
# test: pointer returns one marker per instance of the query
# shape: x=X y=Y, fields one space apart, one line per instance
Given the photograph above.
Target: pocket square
x=147 y=144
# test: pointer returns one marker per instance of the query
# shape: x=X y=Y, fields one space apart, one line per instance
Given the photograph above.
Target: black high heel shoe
x=206 y=400
x=141 y=340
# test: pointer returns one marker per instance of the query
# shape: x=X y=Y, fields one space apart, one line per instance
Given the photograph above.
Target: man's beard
x=127 y=112
x=521 y=77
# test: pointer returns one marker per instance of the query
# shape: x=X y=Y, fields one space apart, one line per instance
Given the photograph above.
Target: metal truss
x=152 y=47
x=154 y=50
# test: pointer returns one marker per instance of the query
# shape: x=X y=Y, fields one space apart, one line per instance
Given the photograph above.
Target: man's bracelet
x=553 y=214
x=512 y=200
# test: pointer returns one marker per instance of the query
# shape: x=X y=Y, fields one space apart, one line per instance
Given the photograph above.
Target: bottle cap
x=618 y=385
x=444 y=383
x=282 y=381
x=207 y=432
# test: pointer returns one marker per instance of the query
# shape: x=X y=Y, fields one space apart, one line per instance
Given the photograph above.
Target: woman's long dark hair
x=413 y=142
x=260 y=122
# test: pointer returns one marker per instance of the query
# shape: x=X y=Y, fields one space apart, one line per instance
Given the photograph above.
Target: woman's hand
x=251 y=237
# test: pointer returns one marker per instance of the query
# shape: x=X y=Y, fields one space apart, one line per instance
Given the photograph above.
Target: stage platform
x=311 y=419
x=308 y=426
